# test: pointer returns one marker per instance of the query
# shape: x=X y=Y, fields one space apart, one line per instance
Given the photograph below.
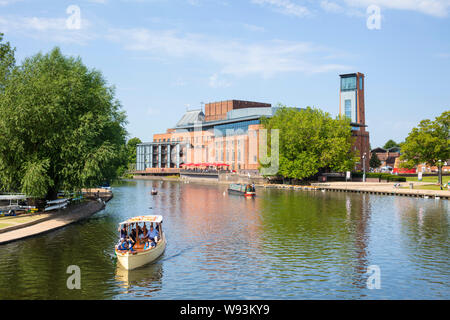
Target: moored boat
x=142 y=251
x=154 y=192
x=247 y=190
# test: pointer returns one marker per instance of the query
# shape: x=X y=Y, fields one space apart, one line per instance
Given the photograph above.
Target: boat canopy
x=138 y=219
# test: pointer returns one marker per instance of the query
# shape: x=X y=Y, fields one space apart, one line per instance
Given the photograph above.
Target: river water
x=280 y=245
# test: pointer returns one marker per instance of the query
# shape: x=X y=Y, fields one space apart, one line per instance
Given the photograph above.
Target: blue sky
x=164 y=56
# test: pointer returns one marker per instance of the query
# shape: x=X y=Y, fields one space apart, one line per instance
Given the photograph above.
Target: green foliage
x=64 y=117
x=374 y=161
x=131 y=149
x=7 y=61
x=128 y=155
x=311 y=141
x=35 y=181
x=380 y=176
x=390 y=144
x=428 y=143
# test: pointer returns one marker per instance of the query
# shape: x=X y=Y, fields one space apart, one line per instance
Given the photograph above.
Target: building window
x=348 y=108
x=360 y=83
x=348 y=83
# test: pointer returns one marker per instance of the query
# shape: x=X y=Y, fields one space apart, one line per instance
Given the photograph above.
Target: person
x=131 y=243
x=142 y=234
x=153 y=234
x=123 y=244
x=123 y=232
x=145 y=230
x=133 y=234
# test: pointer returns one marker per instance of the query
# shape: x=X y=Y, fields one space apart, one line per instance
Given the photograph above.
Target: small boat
x=141 y=253
x=154 y=192
x=247 y=190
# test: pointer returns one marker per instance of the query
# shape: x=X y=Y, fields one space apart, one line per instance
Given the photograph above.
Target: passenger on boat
x=123 y=232
x=123 y=244
x=144 y=236
x=144 y=229
x=131 y=243
x=149 y=244
x=133 y=234
x=153 y=234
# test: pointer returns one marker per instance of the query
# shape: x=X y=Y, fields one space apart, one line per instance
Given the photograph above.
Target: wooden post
x=137 y=235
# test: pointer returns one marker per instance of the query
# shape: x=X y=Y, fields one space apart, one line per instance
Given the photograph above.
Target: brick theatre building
x=229 y=132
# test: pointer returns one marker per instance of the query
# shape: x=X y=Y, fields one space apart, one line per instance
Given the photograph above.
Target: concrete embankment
x=371 y=188
x=355 y=187
x=52 y=221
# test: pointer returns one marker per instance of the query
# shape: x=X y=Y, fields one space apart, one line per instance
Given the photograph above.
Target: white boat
x=56 y=204
x=141 y=255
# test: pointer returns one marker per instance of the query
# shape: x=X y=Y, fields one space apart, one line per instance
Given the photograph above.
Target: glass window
x=360 y=83
x=348 y=83
x=348 y=108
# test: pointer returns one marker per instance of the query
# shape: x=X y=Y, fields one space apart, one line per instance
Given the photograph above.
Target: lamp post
x=440 y=172
x=364 y=167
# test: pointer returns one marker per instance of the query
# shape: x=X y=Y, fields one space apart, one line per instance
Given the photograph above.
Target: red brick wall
x=218 y=110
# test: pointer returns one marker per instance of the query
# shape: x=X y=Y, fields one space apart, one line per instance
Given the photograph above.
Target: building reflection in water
x=360 y=213
x=224 y=229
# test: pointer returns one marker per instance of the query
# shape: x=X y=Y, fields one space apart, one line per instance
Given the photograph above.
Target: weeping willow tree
x=61 y=127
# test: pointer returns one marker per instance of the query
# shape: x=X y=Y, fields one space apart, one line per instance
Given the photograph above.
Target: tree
x=131 y=149
x=61 y=127
x=428 y=143
x=311 y=141
x=128 y=156
x=7 y=61
x=390 y=144
x=374 y=161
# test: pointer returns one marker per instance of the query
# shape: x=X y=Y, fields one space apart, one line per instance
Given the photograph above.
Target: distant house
x=387 y=157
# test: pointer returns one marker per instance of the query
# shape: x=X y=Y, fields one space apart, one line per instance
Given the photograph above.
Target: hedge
x=381 y=176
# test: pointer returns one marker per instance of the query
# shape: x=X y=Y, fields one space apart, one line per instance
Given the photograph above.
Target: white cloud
x=286 y=7
x=334 y=7
x=254 y=28
x=48 y=29
x=437 y=8
x=331 y=6
x=233 y=57
x=216 y=82
x=8 y=2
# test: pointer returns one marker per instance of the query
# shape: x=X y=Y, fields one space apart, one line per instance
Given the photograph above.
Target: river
x=280 y=245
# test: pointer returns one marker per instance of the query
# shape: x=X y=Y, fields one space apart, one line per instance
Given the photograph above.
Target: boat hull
x=138 y=259
x=246 y=194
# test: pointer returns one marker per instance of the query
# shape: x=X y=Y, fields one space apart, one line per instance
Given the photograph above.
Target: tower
x=352 y=106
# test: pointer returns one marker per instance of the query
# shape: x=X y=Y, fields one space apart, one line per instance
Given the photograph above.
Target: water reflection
x=141 y=282
x=279 y=245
